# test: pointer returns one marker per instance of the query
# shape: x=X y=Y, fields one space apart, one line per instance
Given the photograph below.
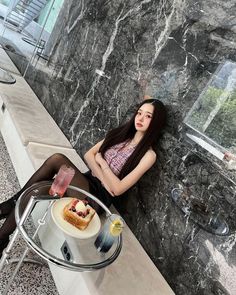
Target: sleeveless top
x=117 y=155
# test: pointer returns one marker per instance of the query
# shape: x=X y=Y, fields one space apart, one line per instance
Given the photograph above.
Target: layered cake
x=78 y=213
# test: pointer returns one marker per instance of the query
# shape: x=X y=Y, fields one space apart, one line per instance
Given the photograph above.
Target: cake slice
x=78 y=213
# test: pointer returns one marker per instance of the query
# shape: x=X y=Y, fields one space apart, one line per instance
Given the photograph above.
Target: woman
x=116 y=163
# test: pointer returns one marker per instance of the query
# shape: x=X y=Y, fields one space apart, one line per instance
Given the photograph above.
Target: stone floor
x=31 y=279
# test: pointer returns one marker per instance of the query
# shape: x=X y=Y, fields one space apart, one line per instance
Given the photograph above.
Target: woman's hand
x=98 y=157
x=229 y=156
x=100 y=161
x=108 y=189
x=91 y=161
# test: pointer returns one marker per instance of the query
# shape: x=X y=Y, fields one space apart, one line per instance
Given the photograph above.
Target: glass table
x=38 y=223
x=6 y=77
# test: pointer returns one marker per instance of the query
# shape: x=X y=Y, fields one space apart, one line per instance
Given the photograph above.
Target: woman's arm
x=118 y=186
x=89 y=157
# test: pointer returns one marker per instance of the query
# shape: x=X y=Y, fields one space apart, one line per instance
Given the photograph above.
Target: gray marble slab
x=105 y=57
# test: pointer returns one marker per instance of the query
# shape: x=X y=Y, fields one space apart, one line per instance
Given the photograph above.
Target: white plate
x=57 y=215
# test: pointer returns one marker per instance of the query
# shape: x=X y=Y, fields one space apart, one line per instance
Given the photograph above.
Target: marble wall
x=105 y=57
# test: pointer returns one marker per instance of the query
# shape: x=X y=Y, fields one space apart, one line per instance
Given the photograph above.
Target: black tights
x=46 y=172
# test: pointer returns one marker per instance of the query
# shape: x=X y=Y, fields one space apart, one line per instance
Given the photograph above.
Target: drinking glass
x=62 y=180
x=110 y=232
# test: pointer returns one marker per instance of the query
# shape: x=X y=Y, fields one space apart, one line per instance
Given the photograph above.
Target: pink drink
x=61 y=181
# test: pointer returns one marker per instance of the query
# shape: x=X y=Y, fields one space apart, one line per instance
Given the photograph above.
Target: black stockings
x=51 y=166
x=46 y=172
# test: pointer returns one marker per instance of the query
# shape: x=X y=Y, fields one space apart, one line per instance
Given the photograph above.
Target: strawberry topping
x=74 y=203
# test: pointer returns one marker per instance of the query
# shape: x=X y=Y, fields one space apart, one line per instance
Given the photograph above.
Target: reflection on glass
x=20 y=13
x=29 y=41
x=214 y=113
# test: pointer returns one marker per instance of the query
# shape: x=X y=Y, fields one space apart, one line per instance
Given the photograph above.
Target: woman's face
x=143 y=117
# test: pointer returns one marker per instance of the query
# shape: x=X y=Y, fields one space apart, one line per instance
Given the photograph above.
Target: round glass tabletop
x=6 y=77
x=56 y=240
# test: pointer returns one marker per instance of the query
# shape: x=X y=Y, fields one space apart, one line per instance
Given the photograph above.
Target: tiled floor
x=31 y=279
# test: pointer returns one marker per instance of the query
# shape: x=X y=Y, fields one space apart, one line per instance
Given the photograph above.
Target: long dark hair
x=127 y=131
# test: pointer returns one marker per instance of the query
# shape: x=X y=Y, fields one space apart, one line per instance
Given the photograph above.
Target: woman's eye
x=149 y=116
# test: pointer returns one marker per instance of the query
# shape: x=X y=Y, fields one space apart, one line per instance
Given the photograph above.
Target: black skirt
x=97 y=189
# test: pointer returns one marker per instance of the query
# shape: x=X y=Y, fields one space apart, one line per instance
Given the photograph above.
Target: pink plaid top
x=117 y=155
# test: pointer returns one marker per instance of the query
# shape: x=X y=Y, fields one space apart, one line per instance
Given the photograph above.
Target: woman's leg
x=46 y=172
x=50 y=168
x=7 y=228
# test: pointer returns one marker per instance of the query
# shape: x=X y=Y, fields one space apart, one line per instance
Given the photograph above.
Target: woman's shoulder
x=148 y=159
x=151 y=154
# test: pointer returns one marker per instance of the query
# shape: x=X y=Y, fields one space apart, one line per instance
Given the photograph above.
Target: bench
x=28 y=130
x=31 y=136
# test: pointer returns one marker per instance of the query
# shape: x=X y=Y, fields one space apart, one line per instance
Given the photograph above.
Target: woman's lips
x=139 y=125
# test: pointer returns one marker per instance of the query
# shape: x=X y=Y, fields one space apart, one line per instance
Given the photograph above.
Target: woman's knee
x=57 y=159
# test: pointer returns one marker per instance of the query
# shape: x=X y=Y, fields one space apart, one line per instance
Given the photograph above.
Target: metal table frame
x=42 y=253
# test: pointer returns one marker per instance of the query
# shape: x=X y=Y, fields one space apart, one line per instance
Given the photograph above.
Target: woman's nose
x=141 y=118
